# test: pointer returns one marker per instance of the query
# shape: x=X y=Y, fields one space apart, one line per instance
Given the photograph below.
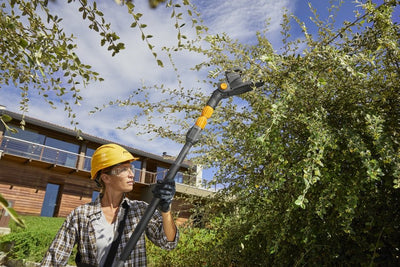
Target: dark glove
x=165 y=191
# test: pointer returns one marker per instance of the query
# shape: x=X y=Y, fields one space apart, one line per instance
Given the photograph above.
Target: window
x=162 y=172
x=63 y=145
x=138 y=166
x=50 y=200
x=95 y=194
x=179 y=177
x=61 y=157
x=89 y=153
x=31 y=144
x=26 y=148
x=27 y=135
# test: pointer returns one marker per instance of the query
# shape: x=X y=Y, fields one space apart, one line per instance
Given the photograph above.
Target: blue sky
x=135 y=65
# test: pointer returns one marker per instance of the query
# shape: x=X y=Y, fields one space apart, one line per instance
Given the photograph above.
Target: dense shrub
x=195 y=248
x=32 y=242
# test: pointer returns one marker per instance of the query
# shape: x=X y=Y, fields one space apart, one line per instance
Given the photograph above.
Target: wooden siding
x=25 y=183
x=70 y=202
x=27 y=200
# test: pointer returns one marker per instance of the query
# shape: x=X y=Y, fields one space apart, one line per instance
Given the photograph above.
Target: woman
x=95 y=226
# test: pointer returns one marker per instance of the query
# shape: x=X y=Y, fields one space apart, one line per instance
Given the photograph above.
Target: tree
x=311 y=161
x=37 y=57
x=316 y=179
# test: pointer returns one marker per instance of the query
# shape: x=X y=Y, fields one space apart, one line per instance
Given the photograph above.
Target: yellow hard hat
x=108 y=155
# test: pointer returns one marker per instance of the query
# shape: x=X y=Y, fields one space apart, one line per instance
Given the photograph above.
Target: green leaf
x=6 y=118
x=23 y=43
x=11 y=211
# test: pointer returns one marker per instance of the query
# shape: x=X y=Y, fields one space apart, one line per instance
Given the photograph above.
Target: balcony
x=58 y=157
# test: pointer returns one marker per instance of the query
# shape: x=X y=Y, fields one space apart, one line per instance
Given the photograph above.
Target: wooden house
x=45 y=169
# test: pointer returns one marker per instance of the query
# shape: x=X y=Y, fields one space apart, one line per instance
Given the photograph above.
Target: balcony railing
x=34 y=151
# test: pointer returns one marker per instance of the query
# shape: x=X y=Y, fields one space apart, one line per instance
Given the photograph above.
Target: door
x=50 y=200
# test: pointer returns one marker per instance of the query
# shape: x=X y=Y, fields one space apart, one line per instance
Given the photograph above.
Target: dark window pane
x=138 y=166
x=88 y=155
x=95 y=194
x=65 y=154
x=74 y=148
x=24 y=143
x=50 y=200
x=27 y=135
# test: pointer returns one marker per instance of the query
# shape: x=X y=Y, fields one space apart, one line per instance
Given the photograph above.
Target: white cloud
x=241 y=19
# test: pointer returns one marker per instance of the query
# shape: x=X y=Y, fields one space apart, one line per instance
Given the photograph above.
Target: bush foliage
x=31 y=243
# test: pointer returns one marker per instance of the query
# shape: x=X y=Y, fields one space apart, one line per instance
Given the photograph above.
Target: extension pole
x=234 y=86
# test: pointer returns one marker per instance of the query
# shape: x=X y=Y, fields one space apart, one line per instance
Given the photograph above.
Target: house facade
x=45 y=169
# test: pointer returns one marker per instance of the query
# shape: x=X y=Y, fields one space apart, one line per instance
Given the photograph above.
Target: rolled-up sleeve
x=155 y=232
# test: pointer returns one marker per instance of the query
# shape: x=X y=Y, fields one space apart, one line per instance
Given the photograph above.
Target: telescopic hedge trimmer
x=233 y=86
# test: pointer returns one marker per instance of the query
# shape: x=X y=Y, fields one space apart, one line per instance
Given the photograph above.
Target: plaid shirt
x=78 y=229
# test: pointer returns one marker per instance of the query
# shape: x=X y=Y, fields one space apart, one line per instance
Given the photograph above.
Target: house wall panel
x=27 y=201
x=70 y=202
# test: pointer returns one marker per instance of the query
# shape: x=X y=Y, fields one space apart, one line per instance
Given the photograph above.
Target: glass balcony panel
x=30 y=150
x=22 y=148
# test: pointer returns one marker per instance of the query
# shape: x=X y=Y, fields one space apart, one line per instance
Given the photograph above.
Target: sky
x=135 y=65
